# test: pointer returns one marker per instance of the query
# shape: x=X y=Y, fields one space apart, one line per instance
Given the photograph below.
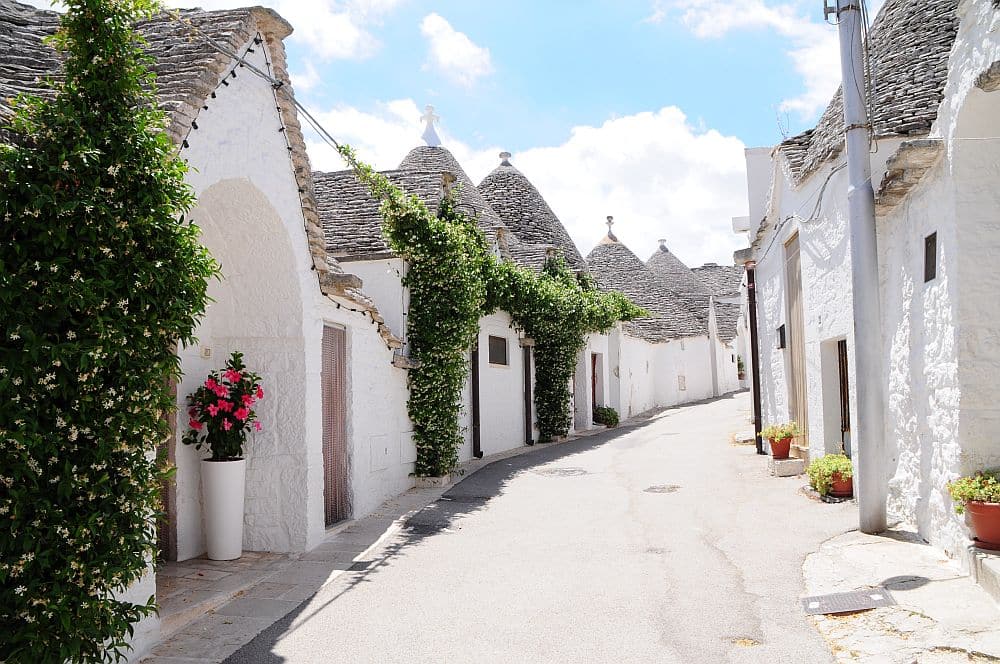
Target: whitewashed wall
x=501 y=388
x=383 y=284
x=826 y=290
x=251 y=216
x=942 y=336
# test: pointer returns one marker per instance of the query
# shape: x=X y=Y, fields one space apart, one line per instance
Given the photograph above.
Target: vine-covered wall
x=453 y=280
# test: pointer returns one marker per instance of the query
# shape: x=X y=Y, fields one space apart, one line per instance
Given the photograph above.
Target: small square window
x=498 y=350
x=930 y=257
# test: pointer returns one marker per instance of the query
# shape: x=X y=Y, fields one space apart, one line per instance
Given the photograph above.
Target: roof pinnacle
x=430 y=135
x=610 y=222
x=663 y=244
x=505 y=158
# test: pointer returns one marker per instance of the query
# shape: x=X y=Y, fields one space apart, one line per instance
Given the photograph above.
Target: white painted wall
x=383 y=284
x=501 y=388
x=941 y=339
x=943 y=336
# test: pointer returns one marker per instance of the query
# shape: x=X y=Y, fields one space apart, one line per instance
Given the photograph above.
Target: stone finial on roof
x=610 y=222
x=663 y=244
x=430 y=135
x=505 y=158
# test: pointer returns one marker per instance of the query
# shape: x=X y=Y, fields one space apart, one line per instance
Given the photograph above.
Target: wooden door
x=845 y=397
x=336 y=487
x=798 y=400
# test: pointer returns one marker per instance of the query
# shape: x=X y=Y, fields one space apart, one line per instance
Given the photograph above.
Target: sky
x=639 y=109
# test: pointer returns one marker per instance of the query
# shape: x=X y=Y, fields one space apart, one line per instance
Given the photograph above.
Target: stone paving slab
x=941 y=616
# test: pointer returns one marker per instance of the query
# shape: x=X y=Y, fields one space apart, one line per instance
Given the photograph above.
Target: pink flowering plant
x=221 y=410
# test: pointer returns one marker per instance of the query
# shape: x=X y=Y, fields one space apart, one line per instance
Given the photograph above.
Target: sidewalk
x=209 y=609
x=942 y=616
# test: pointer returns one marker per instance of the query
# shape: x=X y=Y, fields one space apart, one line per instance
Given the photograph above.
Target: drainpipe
x=870 y=484
x=754 y=354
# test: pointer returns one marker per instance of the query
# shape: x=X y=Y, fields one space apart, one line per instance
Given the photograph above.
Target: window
x=498 y=350
x=930 y=257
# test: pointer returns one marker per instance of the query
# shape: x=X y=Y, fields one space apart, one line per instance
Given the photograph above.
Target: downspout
x=477 y=446
x=754 y=354
x=870 y=482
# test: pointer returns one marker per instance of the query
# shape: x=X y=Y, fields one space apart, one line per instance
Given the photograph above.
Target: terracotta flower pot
x=841 y=487
x=781 y=448
x=985 y=523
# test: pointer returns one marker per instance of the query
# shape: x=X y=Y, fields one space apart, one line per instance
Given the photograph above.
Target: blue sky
x=640 y=109
x=554 y=68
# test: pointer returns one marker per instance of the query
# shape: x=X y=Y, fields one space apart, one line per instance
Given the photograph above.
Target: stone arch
x=258 y=309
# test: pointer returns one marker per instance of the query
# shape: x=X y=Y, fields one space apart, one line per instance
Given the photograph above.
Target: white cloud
x=813 y=44
x=331 y=29
x=453 y=54
x=654 y=172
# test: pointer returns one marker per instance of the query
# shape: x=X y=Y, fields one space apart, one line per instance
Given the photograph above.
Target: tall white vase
x=222 y=489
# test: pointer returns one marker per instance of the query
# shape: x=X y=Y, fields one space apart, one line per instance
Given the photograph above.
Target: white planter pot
x=222 y=489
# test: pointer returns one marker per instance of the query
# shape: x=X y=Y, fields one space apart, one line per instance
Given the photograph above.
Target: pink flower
x=247 y=400
x=221 y=391
x=260 y=392
x=224 y=405
x=226 y=424
x=232 y=375
x=211 y=384
x=257 y=426
x=213 y=410
x=241 y=414
x=195 y=424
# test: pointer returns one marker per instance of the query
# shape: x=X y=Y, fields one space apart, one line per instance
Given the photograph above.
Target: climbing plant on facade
x=557 y=309
x=99 y=280
x=453 y=281
x=446 y=258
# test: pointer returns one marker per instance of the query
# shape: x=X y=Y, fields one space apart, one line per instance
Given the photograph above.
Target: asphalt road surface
x=662 y=542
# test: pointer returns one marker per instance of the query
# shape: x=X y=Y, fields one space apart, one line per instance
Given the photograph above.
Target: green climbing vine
x=98 y=281
x=557 y=309
x=446 y=258
x=453 y=281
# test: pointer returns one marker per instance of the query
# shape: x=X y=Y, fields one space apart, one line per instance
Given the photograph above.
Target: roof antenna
x=430 y=135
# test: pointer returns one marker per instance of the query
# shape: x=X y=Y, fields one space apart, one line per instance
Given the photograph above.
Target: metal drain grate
x=857 y=600
x=662 y=488
x=561 y=472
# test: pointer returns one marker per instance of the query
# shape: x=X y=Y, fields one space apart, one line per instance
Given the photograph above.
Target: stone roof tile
x=615 y=267
x=721 y=280
x=910 y=42
x=525 y=212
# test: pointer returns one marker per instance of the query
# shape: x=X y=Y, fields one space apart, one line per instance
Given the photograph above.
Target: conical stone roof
x=677 y=276
x=436 y=160
x=522 y=208
x=615 y=267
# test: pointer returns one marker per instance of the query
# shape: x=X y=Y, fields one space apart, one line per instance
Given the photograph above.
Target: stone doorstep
x=785 y=467
x=984 y=568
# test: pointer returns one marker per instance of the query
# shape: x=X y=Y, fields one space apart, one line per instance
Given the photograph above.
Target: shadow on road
x=468 y=496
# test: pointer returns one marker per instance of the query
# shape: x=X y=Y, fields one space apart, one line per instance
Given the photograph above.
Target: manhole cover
x=857 y=600
x=662 y=488
x=561 y=472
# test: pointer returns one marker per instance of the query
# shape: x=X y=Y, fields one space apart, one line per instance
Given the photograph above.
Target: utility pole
x=870 y=479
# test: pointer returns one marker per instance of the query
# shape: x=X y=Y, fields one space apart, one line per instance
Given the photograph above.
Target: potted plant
x=832 y=475
x=980 y=495
x=741 y=369
x=606 y=415
x=781 y=436
x=221 y=413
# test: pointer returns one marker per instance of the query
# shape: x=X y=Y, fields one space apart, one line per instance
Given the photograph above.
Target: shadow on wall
x=467 y=497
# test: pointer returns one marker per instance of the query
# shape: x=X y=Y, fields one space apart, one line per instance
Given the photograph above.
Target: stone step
x=984 y=568
x=786 y=467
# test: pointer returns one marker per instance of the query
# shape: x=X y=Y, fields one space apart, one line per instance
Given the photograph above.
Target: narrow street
x=662 y=542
